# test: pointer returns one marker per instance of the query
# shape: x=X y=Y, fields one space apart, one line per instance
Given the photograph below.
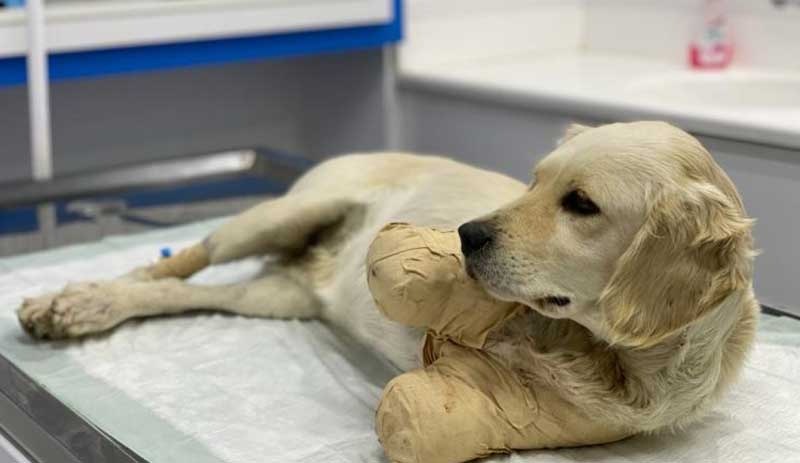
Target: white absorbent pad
x=207 y=387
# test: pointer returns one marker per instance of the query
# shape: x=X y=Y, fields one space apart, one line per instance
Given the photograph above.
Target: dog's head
x=630 y=229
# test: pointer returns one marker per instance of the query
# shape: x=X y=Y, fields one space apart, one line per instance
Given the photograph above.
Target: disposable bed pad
x=208 y=387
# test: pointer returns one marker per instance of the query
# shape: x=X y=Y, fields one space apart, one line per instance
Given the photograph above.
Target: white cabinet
x=76 y=26
x=768 y=179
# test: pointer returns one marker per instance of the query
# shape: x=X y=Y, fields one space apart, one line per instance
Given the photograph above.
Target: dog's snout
x=474 y=236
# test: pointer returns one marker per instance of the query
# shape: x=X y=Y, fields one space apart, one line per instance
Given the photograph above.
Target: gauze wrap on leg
x=181 y=265
x=417 y=278
x=465 y=403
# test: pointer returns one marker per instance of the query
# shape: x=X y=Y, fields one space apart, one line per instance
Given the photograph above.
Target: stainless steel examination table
x=209 y=387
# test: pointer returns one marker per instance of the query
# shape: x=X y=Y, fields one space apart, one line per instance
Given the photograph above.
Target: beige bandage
x=465 y=403
x=181 y=265
x=417 y=278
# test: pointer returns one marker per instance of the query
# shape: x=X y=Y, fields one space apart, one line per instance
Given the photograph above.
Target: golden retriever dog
x=630 y=246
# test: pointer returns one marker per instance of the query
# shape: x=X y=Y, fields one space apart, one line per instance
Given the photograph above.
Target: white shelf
x=107 y=24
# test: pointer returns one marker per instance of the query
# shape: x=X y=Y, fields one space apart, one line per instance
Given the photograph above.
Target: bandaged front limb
x=182 y=265
x=465 y=403
x=416 y=276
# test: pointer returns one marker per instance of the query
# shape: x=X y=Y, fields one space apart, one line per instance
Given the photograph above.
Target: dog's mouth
x=471 y=271
x=550 y=304
x=559 y=301
x=545 y=303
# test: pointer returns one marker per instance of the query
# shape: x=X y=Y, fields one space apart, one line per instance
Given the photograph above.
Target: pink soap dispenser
x=712 y=47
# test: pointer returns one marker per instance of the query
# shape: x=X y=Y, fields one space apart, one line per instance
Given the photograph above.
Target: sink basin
x=727 y=90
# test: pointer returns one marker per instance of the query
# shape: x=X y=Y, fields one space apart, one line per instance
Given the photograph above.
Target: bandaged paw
x=417 y=278
x=466 y=403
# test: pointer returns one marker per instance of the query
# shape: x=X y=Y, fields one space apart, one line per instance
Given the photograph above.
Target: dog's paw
x=34 y=315
x=80 y=309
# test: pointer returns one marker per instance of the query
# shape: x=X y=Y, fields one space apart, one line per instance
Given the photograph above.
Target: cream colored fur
x=661 y=311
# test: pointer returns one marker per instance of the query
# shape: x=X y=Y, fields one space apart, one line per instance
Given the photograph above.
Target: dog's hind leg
x=282 y=226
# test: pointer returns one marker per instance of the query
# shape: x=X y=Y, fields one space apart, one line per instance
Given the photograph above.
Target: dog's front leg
x=86 y=308
x=468 y=405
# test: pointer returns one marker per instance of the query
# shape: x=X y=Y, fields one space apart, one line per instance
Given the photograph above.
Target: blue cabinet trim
x=96 y=63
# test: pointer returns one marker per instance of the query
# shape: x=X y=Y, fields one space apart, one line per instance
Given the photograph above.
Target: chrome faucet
x=784 y=3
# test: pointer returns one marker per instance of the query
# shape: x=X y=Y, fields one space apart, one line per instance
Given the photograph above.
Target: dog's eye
x=577 y=202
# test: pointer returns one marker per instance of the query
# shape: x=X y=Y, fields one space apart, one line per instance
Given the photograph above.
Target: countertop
x=619 y=87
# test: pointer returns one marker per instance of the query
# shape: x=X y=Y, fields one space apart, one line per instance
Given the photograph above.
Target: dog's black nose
x=474 y=236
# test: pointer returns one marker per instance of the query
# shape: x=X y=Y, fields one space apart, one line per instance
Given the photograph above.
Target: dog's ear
x=693 y=250
x=573 y=130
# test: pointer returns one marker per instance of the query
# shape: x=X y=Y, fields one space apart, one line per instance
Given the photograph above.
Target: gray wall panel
x=315 y=106
x=14 y=147
x=499 y=137
x=769 y=181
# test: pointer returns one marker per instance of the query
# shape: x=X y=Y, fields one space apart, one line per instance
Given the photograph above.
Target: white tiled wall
x=765 y=36
x=457 y=30
x=442 y=31
x=659 y=29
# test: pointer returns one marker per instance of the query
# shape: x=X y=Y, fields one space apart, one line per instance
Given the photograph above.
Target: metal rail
x=172 y=172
